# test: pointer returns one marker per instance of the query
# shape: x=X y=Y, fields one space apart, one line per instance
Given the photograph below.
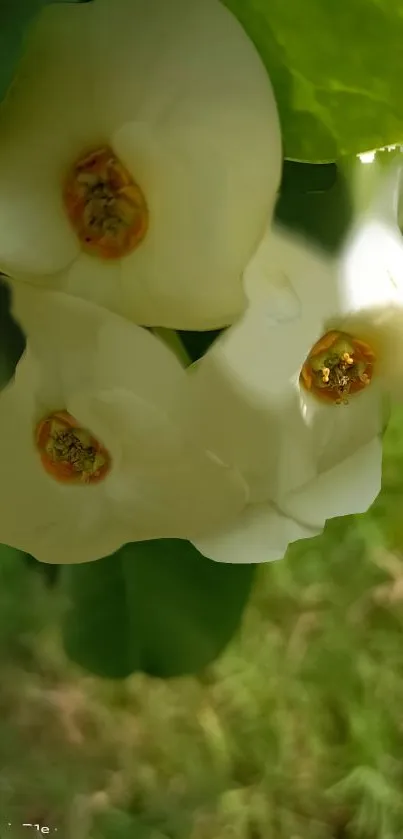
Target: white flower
x=370 y=279
x=293 y=395
x=140 y=156
x=92 y=451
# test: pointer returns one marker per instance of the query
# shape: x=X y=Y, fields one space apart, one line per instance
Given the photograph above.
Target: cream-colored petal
x=339 y=430
x=289 y=278
x=206 y=148
x=371 y=267
x=266 y=283
x=96 y=280
x=387 y=200
x=242 y=400
x=244 y=396
x=349 y=487
x=164 y=486
x=47 y=118
x=187 y=271
x=89 y=348
x=53 y=522
x=146 y=435
x=121 y=382
x=185 y=65
x=161 y=484
x=35 y=239
x=184 y=500
x=186 y=72
x=371 y=282
x=260 y=534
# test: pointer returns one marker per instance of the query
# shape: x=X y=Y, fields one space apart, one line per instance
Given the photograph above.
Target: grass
x=296 y=733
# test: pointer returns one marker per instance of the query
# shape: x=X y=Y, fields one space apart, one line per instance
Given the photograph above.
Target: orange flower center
x=337 y=367
x=69 y=453
x=105 y=206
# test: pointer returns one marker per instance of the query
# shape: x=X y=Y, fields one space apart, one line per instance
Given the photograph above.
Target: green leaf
x=19 y=600
x=307 y=177
x=197 y=343
x=324 y=217
x=157 y=607
x=336 y=69
x=16 y=16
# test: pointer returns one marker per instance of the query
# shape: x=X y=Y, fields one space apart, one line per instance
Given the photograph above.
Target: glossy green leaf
x=336 y=68
x=158 y=607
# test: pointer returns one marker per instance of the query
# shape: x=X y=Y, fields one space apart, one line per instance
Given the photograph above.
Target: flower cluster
x=140 y=160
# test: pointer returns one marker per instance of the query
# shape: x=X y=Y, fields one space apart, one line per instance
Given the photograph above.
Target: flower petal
x=289 y=277
x=95 y=280
x=260 y=534
x=121 y=382
x=165 y=486
x=388 y=199
x=182 y=94
x=349 y=487
x=54 y=522
x=242 y=400
x=371 y=281
x=266 y=284
x=86 y=347
x=207 y=152
x=187 y=272
x=44 y=124
x=371 y=268
x=339 y=430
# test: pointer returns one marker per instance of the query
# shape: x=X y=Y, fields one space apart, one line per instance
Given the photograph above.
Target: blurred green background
x=295 y=732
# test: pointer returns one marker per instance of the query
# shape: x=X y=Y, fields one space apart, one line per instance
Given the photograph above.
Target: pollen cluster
x=69 y=453
x=338 y=366
x=106 y=207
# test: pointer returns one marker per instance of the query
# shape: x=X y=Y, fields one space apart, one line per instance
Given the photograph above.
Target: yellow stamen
x=337 y=367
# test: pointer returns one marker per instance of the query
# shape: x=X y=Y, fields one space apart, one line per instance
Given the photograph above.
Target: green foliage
x=315 y=200
x=156 y=606
x=302 y=178
x=336 y=69
x=17 y=609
